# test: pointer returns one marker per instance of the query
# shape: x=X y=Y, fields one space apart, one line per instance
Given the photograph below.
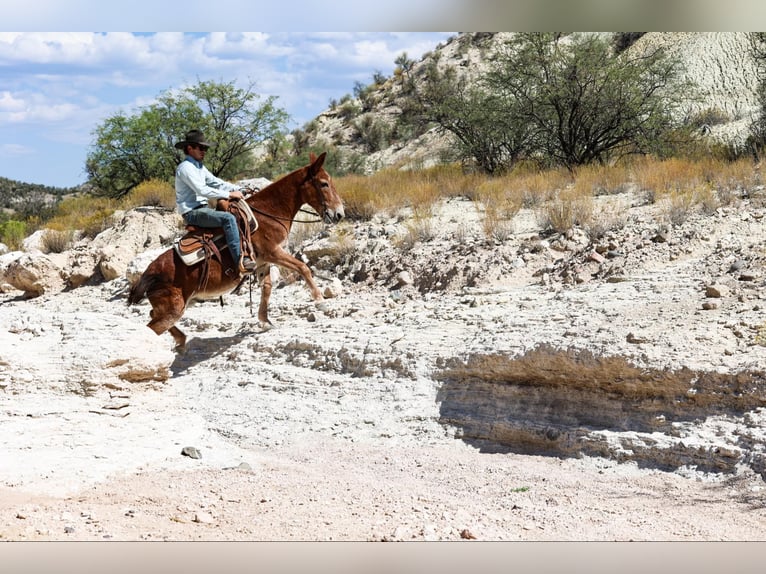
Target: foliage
x=584 y=103
x=374 y=133
x=757 y=140
x=338 y=163
x=130 y=149
x=559 y=100
x=485 y=125
x=12 y=233
x=29 y=199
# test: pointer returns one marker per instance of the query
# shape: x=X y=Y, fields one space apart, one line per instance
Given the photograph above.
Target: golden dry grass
x=154 y=192
x=580 y=369
x=89 y=214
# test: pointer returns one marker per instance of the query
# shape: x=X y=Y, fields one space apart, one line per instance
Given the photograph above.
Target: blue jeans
x=206 y=217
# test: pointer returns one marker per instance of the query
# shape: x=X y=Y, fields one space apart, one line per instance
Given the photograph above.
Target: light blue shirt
x=195 y=185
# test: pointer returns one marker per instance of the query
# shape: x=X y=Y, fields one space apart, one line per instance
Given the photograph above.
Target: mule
x=170 y=284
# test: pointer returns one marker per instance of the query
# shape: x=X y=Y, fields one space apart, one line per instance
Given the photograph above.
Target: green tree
x=486 y=125
x=130 y=149
x=585 y=103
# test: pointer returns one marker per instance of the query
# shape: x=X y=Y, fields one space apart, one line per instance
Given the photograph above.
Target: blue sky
x=56 y=87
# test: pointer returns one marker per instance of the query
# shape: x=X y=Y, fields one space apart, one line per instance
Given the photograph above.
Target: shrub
x=55 y=241
x=87 y=213
x=566 y=211
x=13 y=233
x=154 y=192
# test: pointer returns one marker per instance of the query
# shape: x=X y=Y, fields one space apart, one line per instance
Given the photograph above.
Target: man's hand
x=236 y=195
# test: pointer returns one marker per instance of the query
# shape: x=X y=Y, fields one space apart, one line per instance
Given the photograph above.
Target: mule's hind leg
x=167 y=308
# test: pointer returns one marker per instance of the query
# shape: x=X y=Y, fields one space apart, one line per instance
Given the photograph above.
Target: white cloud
x=10 y=103
x=12 y=149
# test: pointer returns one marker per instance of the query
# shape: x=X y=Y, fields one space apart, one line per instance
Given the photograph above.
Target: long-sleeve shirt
x=195 y=185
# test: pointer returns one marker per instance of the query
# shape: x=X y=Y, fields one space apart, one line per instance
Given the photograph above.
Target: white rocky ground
x=333 y=425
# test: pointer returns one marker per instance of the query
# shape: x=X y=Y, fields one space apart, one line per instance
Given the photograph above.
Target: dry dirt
x=328 y=426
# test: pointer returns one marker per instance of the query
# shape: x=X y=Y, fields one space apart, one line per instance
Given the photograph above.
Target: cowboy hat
x=194 y=137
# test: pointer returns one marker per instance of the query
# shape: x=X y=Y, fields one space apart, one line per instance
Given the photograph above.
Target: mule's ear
x=312 y=157
x=317 y=162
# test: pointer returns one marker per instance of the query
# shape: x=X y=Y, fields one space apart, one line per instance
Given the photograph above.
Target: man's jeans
x=206 y=217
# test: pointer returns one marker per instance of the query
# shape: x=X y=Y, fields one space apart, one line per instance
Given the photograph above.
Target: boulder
x=34 y=274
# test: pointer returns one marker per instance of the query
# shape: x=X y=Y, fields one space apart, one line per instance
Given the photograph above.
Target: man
x=195 y=185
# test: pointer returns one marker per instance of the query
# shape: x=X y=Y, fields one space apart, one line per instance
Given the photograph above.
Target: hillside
x=718 y=62
x=20 y=197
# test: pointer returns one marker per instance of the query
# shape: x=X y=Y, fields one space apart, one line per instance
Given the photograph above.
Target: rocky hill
x=719 y=63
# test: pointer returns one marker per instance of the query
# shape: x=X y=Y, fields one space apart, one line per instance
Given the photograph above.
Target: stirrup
x=244 y=270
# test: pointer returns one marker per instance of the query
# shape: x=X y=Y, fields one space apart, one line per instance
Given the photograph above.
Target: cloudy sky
x=56 y=86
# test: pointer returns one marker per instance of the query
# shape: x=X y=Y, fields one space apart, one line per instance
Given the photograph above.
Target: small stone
x=403 y=279
x=191 y=452
x=204 y=518
x=710 y=305
x=716 y=291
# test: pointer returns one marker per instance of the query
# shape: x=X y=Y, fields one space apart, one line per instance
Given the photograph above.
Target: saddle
x=204 y=243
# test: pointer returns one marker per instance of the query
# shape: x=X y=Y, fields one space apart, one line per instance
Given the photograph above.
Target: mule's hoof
x=180 y=349
x=266 y=325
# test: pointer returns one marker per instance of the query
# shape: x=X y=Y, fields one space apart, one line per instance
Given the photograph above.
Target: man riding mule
x=170 y=283
x=195 y=185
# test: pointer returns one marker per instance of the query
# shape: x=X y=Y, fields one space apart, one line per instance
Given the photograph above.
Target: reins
x=300 y=210
x=290 y=219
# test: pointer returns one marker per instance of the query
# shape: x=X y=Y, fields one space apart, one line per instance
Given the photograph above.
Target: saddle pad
x=190 y=249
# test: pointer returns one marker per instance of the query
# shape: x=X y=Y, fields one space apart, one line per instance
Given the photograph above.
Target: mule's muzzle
x=333 y=216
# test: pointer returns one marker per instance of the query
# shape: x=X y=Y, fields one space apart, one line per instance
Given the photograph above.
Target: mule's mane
x=275 y=186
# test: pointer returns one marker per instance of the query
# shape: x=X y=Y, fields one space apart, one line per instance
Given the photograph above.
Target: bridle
x=301 y=210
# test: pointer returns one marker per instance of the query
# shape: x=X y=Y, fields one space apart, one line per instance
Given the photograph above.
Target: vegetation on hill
x=540 y=104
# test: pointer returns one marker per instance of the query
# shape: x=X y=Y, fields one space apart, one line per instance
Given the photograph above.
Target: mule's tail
x=139 y=290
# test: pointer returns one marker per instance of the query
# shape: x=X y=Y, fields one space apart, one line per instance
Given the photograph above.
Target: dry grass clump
x=56 y=241
x=660 y=179
x=537 y=187
x=390 y=190
x=502 y=201
x=418 y=230
x=602 y=179
x=683 y=186
x=302 y=230
x=570 y=208
x=342 y=237
x=675 y=175
x=608 y=216
x=154 y=192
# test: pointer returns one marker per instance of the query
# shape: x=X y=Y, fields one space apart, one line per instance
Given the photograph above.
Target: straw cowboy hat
x=195 y=137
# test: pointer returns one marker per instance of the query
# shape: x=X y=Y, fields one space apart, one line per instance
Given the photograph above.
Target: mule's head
x=321 y=192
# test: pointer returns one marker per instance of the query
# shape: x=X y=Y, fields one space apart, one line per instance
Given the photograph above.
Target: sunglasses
x=200 y=147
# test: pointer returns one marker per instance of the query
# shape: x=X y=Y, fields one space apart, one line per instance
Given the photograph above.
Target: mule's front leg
x=263 y=308
x=286 y=260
